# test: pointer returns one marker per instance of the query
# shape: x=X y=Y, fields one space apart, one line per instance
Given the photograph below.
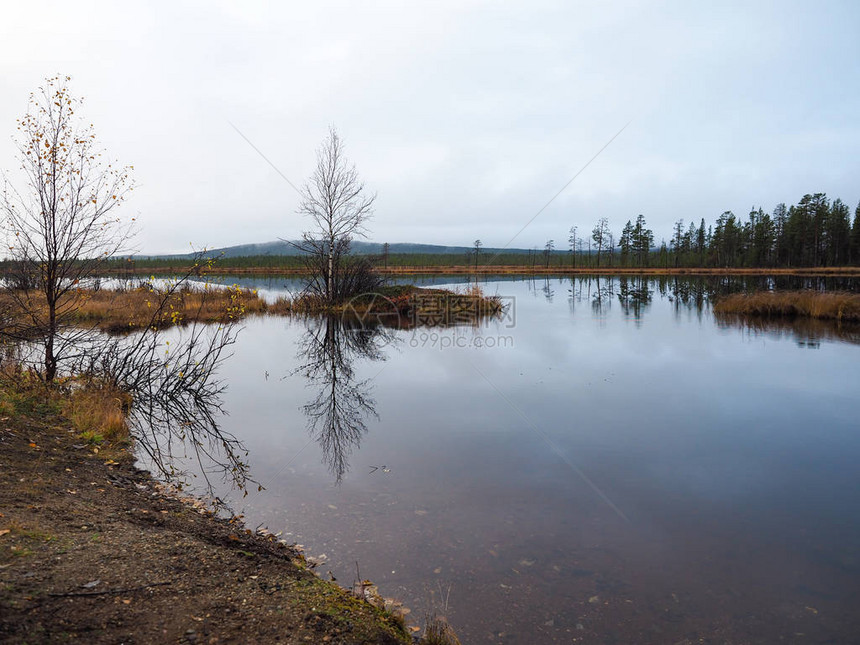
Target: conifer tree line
x=815 y=232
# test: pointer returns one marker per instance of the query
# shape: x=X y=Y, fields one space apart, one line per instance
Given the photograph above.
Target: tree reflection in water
x=634 y=294
x=337 y=415
x=176 y=400
x=806 y=332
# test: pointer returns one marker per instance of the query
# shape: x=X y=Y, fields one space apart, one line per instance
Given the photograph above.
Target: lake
x=606 y=463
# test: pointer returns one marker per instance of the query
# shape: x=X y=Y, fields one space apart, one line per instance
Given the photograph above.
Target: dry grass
x=407 y=305
x=490 y=305
x=125 y=310
x=119 y=311
x=840 y=306
x=439 y=632
x=99 y=413
x=22 y=393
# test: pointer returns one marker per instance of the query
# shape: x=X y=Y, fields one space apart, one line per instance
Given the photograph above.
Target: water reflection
x=695 y=294
x=634 y=294
x=734 y=461
x=177 y=400
x=548 y=292
x=807 y=332
x=596 y=290
x=337 y=415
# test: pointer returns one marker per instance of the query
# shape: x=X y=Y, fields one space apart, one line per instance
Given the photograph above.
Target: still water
x=606 y=463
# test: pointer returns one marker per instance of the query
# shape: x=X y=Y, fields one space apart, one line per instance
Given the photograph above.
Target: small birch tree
x=336 y=201
x=60 y=227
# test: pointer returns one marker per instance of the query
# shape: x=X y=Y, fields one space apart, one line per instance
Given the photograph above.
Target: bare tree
x=60 y=228
x=335 y=200
x=477 y=251
x=338 y=276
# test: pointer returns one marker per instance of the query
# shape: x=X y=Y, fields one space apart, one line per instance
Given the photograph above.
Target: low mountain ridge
x=282 y=247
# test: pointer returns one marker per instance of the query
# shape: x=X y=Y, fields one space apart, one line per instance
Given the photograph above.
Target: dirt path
x=95 y=552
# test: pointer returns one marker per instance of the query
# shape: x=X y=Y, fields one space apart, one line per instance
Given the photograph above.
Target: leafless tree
x=338 y=276
x=336 y=201
x=60 y=227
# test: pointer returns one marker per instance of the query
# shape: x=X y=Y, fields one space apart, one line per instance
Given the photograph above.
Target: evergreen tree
x=797 y=236
x=677 y=241
x=663 y=255
x=626 y=242
x=690 y=239
x=600 y=235
x=816 y=209
x=760 y=239
x=780 y=219
x=733 y=236
x=814 y=232
x=855 y=237
x=547 y=251
x=643 y=240
x=726 y=240
x=837 y=234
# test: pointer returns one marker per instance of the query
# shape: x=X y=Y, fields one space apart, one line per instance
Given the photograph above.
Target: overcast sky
x=465 y=117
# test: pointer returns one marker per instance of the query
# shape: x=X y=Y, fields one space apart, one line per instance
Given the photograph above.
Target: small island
x=823 y=305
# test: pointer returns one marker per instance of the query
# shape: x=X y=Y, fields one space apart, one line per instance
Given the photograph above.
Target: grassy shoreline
x=127 y=310
x=827 y=305
x=93 y=548
x=117 y=311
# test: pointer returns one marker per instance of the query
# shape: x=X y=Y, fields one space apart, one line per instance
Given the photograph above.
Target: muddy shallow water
x=606 y=463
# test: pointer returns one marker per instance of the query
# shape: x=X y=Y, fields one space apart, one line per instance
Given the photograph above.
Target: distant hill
x=280 y=247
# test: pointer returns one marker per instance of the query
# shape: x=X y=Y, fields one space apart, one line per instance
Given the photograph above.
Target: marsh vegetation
x=838 y=306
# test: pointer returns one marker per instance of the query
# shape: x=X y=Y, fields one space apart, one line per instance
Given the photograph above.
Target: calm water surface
x=607 y=464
